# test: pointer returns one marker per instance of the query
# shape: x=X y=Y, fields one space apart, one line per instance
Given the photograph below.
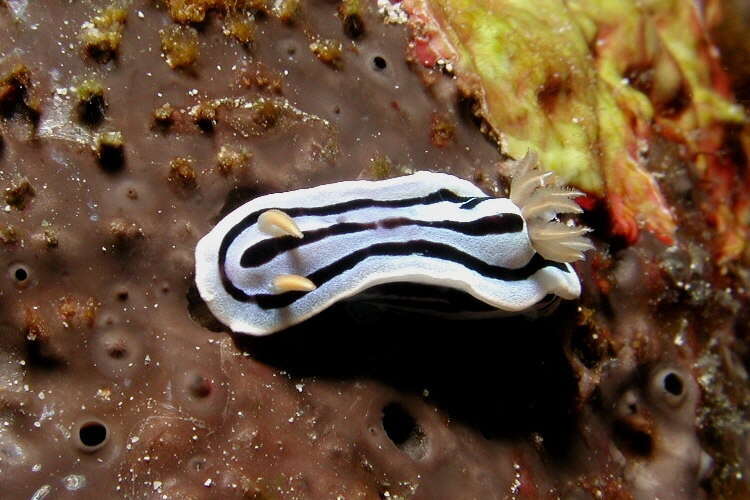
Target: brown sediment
x=442 y=130
x=181 y=172
x=91 y=105
x=328 y=51
x=164 y=116
x=9 y=235
x=287 y=10
x=110 y=151
x=259 y=77
x=101 y=36
x=381 y=167
x=180 y=46
x=204 y=115
x=230 y=159
x=240 y=26
x=19 y=194
x=17 y=94
x=351 y=18
x=49 y=235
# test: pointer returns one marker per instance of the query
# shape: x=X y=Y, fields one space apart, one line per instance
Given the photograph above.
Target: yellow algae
x=585 y=83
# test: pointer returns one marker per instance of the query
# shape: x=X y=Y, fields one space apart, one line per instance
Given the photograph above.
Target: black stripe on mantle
x=414 y=247
x=264 y=251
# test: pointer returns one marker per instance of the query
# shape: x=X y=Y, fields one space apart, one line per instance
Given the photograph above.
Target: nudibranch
x=281 y=258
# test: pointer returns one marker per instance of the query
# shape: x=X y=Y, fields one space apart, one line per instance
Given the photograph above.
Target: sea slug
x=282 y=258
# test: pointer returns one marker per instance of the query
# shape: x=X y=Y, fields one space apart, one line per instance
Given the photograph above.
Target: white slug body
x=425 y=228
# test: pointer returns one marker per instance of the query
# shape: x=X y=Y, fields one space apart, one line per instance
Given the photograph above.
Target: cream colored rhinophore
x=292 y=283
x=277 y=223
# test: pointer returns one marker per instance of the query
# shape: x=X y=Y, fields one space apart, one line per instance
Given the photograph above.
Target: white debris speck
x=74 y=482
x=41 y=492
x=393 y=13
x=18 y=7
x=104 y=394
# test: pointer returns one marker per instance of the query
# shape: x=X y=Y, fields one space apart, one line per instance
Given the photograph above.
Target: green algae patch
x=179 y=45
x=102 y=35
x=534 y=76
x=586 y=84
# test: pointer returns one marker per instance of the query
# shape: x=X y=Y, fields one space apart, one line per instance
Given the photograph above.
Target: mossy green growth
x=240 y=26
x=204 y=115
x=287 y=10
x=19 y=193
x=109 y=139
x=88 y=89
x=232 y=158
x=18 y=77
x=350 y=12
x=9 y=235
x=91 y=105
x=537 y=76
x=110 y=150
x=350 y=8
x=181 y=172
x=102 y=35
x=164 y=115
x=179 y=45
x=329 y=51
x=442 y=131
x=381 y=167
x=14 y=90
